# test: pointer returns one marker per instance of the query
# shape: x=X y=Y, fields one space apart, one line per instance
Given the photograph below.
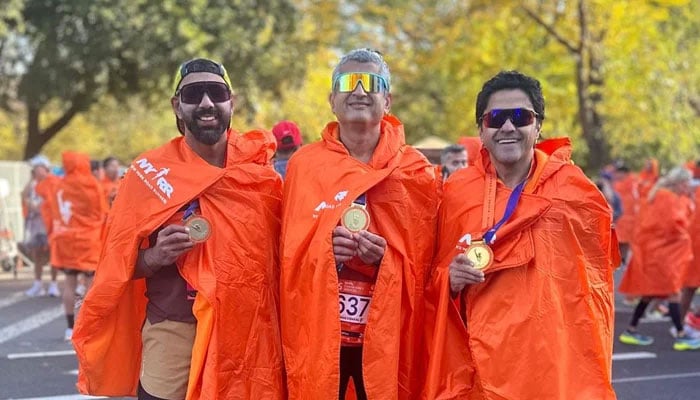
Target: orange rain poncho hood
x=541 y=325
x=237 y=352
x=322 y=181
x=79 y=211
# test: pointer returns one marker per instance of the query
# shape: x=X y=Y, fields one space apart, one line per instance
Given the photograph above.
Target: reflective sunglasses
x=193 y=93
x=518 y=116
x=371 y=83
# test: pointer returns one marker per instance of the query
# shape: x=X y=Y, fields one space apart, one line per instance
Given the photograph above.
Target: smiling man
x=189 y=268
x=357 y=234
x=522 y=293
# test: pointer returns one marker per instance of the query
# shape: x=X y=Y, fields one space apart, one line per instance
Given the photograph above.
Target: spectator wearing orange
x=626 y=186
x=110 y=181
x=662 y=252
x=78 y=209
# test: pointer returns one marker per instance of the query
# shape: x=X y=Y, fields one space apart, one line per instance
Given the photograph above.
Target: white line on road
x=42 y=354
x=639 y=355
x=656 y=377
x=63 y=397
x=41 y=318
x=12 y=299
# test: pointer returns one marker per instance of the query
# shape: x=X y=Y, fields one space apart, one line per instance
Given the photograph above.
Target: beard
x=207 y=135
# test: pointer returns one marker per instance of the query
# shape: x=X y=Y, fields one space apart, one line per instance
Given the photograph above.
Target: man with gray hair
x=452 y=158
x=357 y=237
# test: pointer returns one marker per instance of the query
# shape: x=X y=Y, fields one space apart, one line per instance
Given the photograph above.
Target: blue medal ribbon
x=490 y=235
x=191 y=209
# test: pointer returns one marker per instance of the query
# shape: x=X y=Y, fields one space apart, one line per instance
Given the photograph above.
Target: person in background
x=662 y=253
x=453 y=158
x=626 y=185
x=79 y=210
x=37 y=224
x=110 y=181
x=289 y=141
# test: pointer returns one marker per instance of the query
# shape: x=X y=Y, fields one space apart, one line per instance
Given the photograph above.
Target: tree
x=68 y=54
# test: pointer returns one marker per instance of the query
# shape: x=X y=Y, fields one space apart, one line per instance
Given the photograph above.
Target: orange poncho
x=237 y=351
x=662 y=249
x=110 y=188
x=473 y=145
x=541 y=325
x=78 y=209
x=692 y=278
x=648 y=177
x=322 y=181
x=47 y=190
x=628 y=191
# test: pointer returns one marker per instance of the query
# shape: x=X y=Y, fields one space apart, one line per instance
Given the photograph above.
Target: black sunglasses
x=518 y=116
x=193 y=93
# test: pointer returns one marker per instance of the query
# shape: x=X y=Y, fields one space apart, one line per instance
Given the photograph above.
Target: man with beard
x=357 y=236
x=195 y=226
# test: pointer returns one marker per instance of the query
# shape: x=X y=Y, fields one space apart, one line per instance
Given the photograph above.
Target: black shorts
x=73 y=272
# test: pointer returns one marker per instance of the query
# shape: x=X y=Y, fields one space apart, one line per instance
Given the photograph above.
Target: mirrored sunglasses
x=518 y=116
x=193 y=93
x=371 y=83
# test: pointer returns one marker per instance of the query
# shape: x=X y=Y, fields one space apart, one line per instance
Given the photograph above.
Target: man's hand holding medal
x=463 y=273
x=171 y=242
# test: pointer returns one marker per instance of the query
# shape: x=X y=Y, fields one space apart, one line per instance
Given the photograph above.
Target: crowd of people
x=657 y=229
x=247 y=266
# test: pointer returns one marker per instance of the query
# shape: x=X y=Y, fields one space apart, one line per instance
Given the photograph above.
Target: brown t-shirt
x=166 y=290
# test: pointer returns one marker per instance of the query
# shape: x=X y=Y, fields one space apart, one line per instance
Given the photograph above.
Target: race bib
x=354 y=308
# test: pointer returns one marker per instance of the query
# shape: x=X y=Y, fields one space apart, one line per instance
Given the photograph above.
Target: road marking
x=42 y=354
x=12 y=299
x=63 y=397
x=656 y=377
x=639 y=355
x=35 y=321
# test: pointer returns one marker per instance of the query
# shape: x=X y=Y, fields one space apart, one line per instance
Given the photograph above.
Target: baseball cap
x=199 y=65
x=39 y=160
x=287 y=134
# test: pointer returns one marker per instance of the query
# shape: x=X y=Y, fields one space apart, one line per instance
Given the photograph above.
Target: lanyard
x=190 y=209
x=490 y=235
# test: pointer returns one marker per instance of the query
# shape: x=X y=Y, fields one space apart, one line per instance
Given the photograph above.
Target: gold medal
x=200 y=228
x=480 y=254
x=355 y=218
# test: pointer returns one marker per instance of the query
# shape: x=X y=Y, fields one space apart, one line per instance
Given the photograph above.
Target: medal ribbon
x=490 y=235
x=191 y=291
x=190 y=209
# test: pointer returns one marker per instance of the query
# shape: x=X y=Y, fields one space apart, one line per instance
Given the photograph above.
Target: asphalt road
x=35 y=362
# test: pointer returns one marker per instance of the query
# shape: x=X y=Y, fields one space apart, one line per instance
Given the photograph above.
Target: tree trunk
x=36 y=138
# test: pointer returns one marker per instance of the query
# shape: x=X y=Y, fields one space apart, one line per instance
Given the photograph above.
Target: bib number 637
x=353 y=308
